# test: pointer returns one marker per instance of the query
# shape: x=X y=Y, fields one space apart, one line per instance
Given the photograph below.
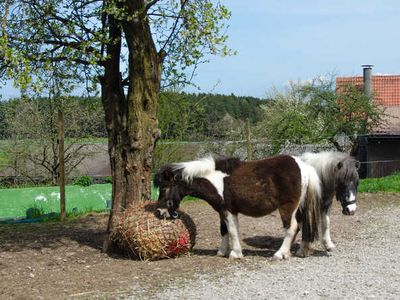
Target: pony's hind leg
x=326 y=236
x=291 y=229
x=224 y=248
x=232 y=224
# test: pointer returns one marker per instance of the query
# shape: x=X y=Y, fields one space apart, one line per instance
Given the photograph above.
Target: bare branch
x=150 y=4
x=5 y=16
x=174 y=30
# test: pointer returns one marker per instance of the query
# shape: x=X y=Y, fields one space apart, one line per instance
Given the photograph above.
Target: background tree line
x=181 y=116
x=304 y=113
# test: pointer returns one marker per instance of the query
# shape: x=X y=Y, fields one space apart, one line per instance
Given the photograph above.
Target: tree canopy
x=75 y=34
x=317 y=112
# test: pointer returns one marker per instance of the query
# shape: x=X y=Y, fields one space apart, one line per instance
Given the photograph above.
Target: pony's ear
x=357 y=163
x=339 y=165
x=168 y=175
x=165 y=174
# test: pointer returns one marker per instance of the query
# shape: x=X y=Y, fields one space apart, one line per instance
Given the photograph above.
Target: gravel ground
x=53 y=260
x=366 y=265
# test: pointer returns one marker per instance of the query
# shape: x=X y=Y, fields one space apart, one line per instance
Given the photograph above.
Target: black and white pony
x=253 y=188
x=338 y=173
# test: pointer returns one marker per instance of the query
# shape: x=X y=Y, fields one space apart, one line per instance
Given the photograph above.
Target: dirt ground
x=64 y=261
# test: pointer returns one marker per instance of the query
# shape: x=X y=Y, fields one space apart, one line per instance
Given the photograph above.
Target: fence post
x=248 y=141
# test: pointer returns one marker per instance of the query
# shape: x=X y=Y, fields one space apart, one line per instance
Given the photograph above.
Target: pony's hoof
x=281 y=256
x=222 y=253
x=235 y=255
x=303 y=252
x=329 y=246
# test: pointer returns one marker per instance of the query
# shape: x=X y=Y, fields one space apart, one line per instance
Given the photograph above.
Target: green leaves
x=316 y=113
x=72 y=34
x=189 y=32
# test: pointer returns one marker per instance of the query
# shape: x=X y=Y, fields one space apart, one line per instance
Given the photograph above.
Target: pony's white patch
x=352 y=197
x=326 y=236
x=309 y=176
x=290 y=234
x=233 y=231
x=164 y=212
x=352 y=208
x=217 y=180
x=196 y=168
x=203 y=168
x=40 y=198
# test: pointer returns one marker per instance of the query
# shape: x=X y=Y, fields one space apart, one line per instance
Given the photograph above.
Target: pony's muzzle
x=164 y=213
x=349 y=210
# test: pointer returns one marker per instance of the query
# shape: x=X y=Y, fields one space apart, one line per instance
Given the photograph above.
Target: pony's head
x=346 y=183
x=170 y=185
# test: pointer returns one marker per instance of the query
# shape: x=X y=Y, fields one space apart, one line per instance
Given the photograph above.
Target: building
x=379 y=152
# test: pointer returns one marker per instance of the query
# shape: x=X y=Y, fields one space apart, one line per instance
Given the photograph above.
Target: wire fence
x=97 y=165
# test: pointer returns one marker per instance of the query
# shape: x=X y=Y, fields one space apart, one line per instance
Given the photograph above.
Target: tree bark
x=131 y=119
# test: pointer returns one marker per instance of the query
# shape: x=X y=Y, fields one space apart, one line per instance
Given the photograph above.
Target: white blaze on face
x=352 y=207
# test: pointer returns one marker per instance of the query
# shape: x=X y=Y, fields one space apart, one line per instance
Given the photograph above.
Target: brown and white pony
x=338 y=173
x=253 y=188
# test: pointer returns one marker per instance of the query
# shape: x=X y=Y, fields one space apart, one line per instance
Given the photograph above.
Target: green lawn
x=15 y=202
x=384 y=184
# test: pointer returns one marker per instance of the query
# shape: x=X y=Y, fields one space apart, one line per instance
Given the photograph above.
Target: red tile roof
x=386 y=91
x=386 y=88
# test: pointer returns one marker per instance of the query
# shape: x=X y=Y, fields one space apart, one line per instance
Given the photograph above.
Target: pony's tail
x=309 y=213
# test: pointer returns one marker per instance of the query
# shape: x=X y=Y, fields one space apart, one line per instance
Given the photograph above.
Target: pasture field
x=15 y=202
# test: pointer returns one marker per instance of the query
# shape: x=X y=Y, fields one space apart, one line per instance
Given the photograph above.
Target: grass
x=385 y=184
x=16 y=201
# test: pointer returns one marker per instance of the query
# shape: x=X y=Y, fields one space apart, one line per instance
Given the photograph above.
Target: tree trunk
x=131 y=119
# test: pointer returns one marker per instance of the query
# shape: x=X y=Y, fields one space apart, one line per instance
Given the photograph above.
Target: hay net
x=141 y=234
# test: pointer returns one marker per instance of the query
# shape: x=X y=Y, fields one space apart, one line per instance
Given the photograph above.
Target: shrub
x=108 y=179
x=84 y=181
x=35 y=211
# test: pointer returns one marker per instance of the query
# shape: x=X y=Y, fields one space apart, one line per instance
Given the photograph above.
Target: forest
x=181 y=116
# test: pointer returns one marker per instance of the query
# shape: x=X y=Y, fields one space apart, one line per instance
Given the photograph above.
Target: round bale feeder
x=142 y=235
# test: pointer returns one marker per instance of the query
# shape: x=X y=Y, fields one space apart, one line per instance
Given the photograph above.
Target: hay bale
x=140 y=233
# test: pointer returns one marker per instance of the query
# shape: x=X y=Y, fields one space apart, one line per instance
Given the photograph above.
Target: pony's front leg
x=290 y=234
x=232 y=224
x=326 y=236
x=224 y=248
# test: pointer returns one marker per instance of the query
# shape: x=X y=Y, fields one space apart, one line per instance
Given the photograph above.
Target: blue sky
x=279 y=41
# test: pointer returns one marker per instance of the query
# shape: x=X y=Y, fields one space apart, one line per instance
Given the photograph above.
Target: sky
x=291 y=40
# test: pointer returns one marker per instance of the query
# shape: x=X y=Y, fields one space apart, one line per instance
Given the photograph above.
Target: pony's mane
x=195 y=168
x=325 y=164
x=200 y=168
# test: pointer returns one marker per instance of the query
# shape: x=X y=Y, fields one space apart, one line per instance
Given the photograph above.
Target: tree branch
x=150 y=4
